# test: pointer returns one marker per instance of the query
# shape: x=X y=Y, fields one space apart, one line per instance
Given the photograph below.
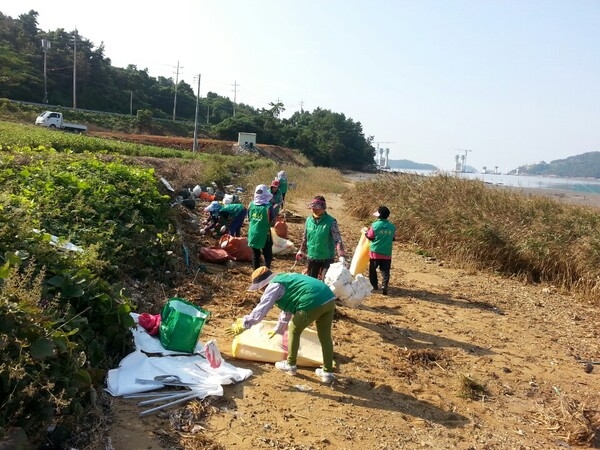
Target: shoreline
x=561 y=195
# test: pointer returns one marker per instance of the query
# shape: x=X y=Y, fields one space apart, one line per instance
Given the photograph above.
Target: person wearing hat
x=260 y=217
x=320 y=240
x=212 y=219
x=283 y=185
x=277 y=199
x=231 y=216
x=302 y=300
x=381 y=233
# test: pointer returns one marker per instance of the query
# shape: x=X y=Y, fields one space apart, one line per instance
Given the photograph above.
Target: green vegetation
x=497 y=229
x=586 y=165
x=326 y=138
x=65 y=313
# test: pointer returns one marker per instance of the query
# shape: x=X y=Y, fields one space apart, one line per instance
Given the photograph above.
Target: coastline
x=562 y=195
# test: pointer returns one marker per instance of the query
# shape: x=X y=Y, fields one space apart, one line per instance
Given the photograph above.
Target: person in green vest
x=283 y=185
x=277 y=199
x=381 y=233
x=320 y=240
x=260 y=217
x=302 y=300
x=231 y=217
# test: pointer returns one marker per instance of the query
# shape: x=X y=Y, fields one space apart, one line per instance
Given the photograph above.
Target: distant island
x=586 y=165
x=409 y=165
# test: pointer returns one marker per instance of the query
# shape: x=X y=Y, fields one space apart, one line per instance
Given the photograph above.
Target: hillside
x=586 y=165
x=212 y=146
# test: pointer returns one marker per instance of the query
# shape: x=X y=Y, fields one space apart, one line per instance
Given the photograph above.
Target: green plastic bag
x=180 y=325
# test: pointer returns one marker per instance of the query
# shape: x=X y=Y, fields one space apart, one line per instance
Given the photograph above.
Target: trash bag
x=281 y=246
x=351 y=292
x=212 y=254
x=236 y=247
x=281 y=227
x=180 y=325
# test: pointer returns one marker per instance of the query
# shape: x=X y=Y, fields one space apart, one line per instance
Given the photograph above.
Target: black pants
x=384 y=266
x=267 y=252
x=316 y=268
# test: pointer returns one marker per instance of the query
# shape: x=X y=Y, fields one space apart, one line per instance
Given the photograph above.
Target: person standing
x=283 y=185
x=381 y=233
x=277 y=199
x=302 y=300
x=320 y=240
x=260 y=217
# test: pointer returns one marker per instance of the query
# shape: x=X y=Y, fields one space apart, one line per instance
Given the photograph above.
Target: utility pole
x=75 y=70
x=195 y=148
x=235 y=85
x=175 y=99
x=131 y=103
x=45 y=47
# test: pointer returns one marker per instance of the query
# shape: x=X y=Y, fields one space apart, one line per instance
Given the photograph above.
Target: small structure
x=246 y=139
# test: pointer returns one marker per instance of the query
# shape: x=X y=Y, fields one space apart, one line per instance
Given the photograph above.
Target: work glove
x=236 y=328
x=272 y=333
x=299 y=256
x=342 y=260
x=364 y=230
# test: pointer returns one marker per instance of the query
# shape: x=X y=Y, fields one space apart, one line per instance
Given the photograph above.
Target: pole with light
x=195 y=148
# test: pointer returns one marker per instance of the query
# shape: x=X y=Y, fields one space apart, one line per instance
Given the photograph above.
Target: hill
x=586 y=165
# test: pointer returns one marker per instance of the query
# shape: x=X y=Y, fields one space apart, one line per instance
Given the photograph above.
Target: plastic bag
x=281 y=246
x=216 y=255
x=236 y=247
x=181 y=324
x=212 y=354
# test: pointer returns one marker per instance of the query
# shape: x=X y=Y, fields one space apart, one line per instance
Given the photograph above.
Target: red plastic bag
x=216 y=255
x=236 y=247
x=150 y=323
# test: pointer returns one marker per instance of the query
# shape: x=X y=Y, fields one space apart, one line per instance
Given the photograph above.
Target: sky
x=503 y=82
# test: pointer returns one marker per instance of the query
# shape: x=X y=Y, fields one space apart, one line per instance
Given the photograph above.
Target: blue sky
x=514 y=81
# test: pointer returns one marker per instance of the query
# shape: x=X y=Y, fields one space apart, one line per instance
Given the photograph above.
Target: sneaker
x=285 y=366
x=326 y=377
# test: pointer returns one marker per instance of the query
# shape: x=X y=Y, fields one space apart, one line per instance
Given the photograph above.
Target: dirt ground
x=449 y=359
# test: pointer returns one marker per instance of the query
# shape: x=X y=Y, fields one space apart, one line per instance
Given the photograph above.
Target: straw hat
x=260 y=278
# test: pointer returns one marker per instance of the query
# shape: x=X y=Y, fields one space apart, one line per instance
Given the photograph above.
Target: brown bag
x=212 y=254
x=236 y=247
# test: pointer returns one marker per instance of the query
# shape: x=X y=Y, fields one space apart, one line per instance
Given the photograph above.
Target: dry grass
x=572 y=421
x=471 y=389
x=534 y=237
x=302 y=180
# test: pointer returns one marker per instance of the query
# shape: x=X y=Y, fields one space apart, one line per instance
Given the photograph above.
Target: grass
x=477 y=226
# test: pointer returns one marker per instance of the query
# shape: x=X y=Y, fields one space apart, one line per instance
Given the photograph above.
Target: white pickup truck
x=53 y=119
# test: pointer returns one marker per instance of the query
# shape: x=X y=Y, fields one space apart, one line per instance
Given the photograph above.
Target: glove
x=271 y=334
x=364 y=230
x=342 y=260
x=299 y=256
x=236 y=328
x=223 y=229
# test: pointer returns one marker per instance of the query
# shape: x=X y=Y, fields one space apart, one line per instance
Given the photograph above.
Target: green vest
x=233 y=209
x=319 y=241
x=277 y=198
x=384 y=236
x=283 y=185
x=302 y=293
x=259 y=227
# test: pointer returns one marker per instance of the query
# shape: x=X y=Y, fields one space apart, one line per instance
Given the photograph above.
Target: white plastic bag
x=281 y=246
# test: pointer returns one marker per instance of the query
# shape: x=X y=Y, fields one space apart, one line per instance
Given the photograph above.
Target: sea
x=585 y=185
